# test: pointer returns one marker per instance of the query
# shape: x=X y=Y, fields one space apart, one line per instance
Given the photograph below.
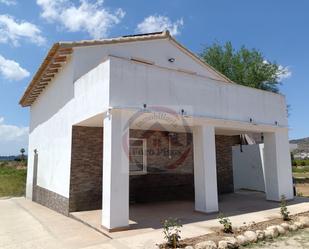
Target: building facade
x=139 y=119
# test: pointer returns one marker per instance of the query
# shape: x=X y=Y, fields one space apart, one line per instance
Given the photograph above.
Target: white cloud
x=12 y=31
x=12 y=138
x=11 y=70
x=89 y=17
x=157 y=23
x=285 y=73
x=8 y=2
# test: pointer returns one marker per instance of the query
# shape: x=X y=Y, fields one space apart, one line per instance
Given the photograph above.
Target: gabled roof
x=61 y=51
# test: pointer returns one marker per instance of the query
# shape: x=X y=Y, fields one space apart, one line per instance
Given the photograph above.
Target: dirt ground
x=299 y=239
x=219 y=235
x=303 y=189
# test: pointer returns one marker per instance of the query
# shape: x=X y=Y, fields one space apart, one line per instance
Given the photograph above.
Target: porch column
x=278 y=169
x=205 y=170
x=115 y=199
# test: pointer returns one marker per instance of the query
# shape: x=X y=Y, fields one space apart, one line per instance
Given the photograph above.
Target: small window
x=137 y=156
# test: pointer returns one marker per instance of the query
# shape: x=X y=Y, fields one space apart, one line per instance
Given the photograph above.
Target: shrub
x=301 y=162
x=299 y=194
x=302 y=169
x=285 y=214
x=3 y=164
x=227 y=224
x=171 y=230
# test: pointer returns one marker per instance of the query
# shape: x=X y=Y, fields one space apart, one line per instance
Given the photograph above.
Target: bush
x=227 y=224
x=171 y=230
x=3 y=164
x=300 y=162
x=285 y=214
x=300 y=169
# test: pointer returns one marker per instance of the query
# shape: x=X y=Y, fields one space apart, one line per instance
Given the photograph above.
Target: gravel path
x=298 y=240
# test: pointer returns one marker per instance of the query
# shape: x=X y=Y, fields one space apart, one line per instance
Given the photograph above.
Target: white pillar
x=277 y=163
x=205 y=169
x=115 y=199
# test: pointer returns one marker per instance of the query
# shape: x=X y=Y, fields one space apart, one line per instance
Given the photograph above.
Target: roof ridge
x=162 y=34
x=58 y=54
x=61 y=51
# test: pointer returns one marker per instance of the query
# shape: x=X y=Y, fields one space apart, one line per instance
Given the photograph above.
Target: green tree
x=244 y=66
x=22 y=151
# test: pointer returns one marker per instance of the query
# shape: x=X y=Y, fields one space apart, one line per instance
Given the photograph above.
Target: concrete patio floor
x=25 y=224
x=242 y=207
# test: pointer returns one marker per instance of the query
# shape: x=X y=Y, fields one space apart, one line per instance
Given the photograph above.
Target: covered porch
x=242 y=207
x=118 y=164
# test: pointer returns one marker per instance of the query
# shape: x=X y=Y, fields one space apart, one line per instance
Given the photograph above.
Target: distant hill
x=303 y=144
x=9 y=158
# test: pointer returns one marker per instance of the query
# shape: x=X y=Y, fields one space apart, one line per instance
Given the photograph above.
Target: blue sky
x=278 y=28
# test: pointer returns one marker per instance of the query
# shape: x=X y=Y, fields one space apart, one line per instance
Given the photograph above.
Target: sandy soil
x=303 y=189
x=299 y=239
x=219 y=235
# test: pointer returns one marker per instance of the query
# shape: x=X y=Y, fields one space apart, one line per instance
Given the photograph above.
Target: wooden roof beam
x=47 y=76
x=55 y=65
x=65 y=51
x=52 y=71
x=44 y=80
x=60 y=59
x=33 y=95
x=40 y=87
x=37 y=92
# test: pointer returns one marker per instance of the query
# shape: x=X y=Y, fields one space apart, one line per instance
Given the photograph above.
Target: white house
x=145 y=112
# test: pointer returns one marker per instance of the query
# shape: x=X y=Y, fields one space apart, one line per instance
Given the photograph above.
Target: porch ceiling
x=174 y=122
x=226 y=132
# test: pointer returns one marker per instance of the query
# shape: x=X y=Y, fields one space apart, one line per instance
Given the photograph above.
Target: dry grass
x=12 y=178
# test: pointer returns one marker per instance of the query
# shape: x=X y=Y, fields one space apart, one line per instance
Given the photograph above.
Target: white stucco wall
x=133 y=84
x=248 y=167
x=91 y=82
x=62 y=104
x=157 y=51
